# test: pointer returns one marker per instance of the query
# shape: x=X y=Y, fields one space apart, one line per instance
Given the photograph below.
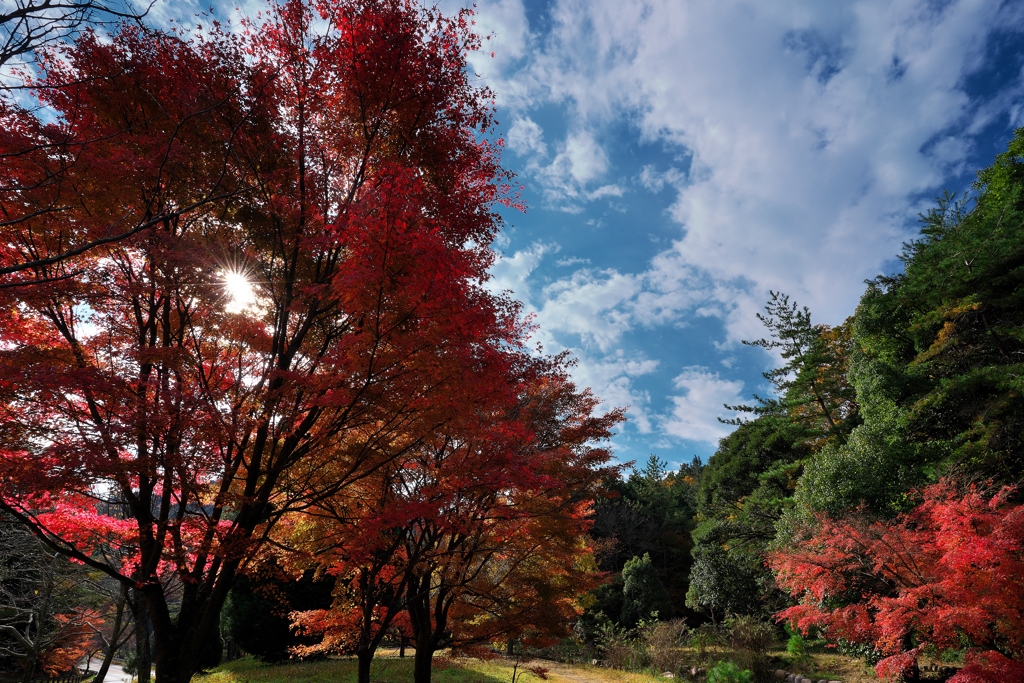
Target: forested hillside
x=872 y=498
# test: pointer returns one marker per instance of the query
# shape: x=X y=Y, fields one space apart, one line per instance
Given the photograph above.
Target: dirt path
x=564 y=673
x=561 y=672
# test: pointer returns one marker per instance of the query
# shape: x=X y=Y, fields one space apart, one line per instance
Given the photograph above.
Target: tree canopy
x=291 y=301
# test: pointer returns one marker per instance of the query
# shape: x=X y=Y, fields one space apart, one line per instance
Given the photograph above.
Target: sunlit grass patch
x=384 y=670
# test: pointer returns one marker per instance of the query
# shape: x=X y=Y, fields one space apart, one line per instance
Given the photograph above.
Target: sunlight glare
x=240 y=290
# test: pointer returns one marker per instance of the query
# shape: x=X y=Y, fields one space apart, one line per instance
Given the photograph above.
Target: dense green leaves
x=653 y=513
x=643 y=595
x=744 y=489
x=939 y=355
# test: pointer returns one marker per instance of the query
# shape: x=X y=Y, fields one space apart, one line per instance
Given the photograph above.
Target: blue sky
x=681 y=158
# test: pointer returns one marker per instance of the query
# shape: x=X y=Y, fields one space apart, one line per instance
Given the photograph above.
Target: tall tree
x=132 y=373
x=811 y=384
x=483 y=537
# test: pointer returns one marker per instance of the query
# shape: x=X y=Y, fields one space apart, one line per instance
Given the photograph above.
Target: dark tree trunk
x=167 y=652
x=418 y=606
x=424 y=659
x=365 y=658
x=180 y=643
x=428 y=612
x=142 y=648
x=179 y=648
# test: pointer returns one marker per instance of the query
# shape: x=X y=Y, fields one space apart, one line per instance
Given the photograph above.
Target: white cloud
x=589 y=303
x=813 y=127
x=583 y=157
x=526 y=137
x=510 y=273
x=694 y=415
x=600 y=305
x=506 y=33
x=606 y=191
x=579 y=162
x=594 y=305
x=612 y=378
x=656 y=181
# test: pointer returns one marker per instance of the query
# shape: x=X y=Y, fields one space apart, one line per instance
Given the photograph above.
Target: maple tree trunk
x=179 y=645
x=170 y=657
x=365 y=658
x=418 y=607
x=143 y=658
x=424 y=658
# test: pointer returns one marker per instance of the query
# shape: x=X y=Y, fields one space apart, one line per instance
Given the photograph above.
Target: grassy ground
x=391 y=669
x=394 y=670
x=828 y=666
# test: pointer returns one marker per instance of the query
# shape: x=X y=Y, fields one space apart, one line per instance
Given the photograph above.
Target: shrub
x=664 y=640
x=751 y=639
x=728 y=672
x=796 y=647
x=702 y=639
x=619 y=650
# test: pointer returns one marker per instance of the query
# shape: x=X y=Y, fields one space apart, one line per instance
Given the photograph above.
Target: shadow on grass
x=384 y=670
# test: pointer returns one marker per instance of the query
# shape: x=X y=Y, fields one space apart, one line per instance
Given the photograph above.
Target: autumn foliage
x=944 y=574
x=335 y=156
x=476 y=535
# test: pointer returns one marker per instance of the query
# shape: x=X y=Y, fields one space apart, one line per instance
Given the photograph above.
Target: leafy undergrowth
x=828 y=666
x=578 y=673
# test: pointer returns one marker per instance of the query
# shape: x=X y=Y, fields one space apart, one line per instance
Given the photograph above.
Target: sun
x=239 y=289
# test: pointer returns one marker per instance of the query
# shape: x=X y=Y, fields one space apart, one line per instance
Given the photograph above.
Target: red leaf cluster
x=947 y=570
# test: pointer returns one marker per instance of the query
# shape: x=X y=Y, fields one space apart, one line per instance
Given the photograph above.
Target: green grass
x=384 y=670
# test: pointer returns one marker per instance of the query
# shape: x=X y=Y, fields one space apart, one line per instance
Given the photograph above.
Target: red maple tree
x=363 y=213
x=478 y=534
x=946 y=572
